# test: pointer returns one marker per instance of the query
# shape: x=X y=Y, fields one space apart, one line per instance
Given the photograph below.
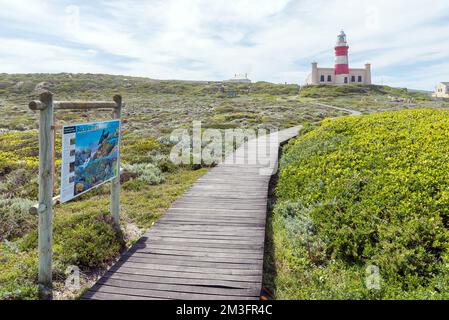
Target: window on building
x=360 y=78
x=329 y=78
x=346 y=79
x=322 y=78
x=353 y=79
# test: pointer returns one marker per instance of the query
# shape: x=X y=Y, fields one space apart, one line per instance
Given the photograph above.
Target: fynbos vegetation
x=365 y=191
x=84 y=233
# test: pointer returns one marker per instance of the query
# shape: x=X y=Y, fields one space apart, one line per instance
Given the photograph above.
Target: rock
x=4 y=85
x=90 y=86
x=43 y=86
x=23 y=86
x=18 y=86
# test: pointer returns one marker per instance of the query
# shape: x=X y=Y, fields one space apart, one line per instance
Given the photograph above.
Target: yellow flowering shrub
x=368 y=190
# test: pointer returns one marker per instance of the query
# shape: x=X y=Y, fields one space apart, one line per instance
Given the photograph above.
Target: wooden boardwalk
x=210 y=244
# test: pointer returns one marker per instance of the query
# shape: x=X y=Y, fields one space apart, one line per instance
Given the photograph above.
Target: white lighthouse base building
x=341 y=74
x=328 y=76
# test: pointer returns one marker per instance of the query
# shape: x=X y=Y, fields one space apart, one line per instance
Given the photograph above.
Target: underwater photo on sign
x=90 y=157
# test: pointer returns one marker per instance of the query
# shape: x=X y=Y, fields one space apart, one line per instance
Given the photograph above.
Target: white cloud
x=212 y=40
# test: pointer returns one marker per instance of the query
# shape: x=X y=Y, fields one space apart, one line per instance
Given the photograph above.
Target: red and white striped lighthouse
x=341 y=55
x=340 y=74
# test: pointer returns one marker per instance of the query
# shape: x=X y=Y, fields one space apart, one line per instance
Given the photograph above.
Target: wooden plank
x=224 y=224
x=231 y=215
x=218 y=211
x=207 y=228
x=189 y=263
x=189 y=234
x=180 y=288
x=96 y=295
x=166 y=246
x=260 y=218
x=202 y=270
x=232 y=206
x=222 y=201
x=166 y=294
x=247 y=243
x=177 y=249
x=221 y=243
x=252 y=252
x=190 y=275
x=196 y=258
x=213 y=220
x=180 y=280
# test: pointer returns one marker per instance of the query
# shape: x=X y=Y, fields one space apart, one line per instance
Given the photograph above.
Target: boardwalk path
x=351 y=112
x=210 y=243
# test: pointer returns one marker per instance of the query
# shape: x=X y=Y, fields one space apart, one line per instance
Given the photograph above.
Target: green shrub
x=376 y=189
x=148 y=173
x=87 y=240
x=325 y=91
x=18 y=273
x=134 y=185
x=137 y=149
x=164 y=163
x=302 y=230
x=15 y=220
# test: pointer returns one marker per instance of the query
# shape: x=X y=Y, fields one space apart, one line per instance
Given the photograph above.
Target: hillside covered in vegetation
x=84 y=233
x=365 y=191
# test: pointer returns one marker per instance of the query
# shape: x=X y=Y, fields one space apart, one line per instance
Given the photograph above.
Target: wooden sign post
x=44 y=209
x=115 y=186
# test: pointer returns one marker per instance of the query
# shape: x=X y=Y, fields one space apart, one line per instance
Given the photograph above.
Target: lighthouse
x=340 y=74
x=341 y=59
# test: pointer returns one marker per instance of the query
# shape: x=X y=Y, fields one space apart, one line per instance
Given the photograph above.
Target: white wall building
x=341 y=73
x=442 y=90
x=240 y=78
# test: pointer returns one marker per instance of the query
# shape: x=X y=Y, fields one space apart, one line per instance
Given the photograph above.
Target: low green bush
x=15 y=220
x=369 y=190
x=134 y=185
x=325 y=91
x=18 y=273
x=137 y=149
x=147 y=173
x=87 y=240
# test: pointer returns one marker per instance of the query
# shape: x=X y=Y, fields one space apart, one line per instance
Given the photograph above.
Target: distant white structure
x=442 y=90
x=341 y=74
x=240 y=78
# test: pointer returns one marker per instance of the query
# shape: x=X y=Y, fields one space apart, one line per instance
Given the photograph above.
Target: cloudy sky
x=407 y=41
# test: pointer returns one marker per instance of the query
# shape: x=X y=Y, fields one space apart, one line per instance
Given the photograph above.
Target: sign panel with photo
x=90 y=154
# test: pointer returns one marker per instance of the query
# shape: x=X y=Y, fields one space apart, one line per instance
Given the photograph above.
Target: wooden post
x=54 y=149
x=115 y=186
x=45 y=208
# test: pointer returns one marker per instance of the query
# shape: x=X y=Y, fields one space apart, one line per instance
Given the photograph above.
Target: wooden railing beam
x=84 y=105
